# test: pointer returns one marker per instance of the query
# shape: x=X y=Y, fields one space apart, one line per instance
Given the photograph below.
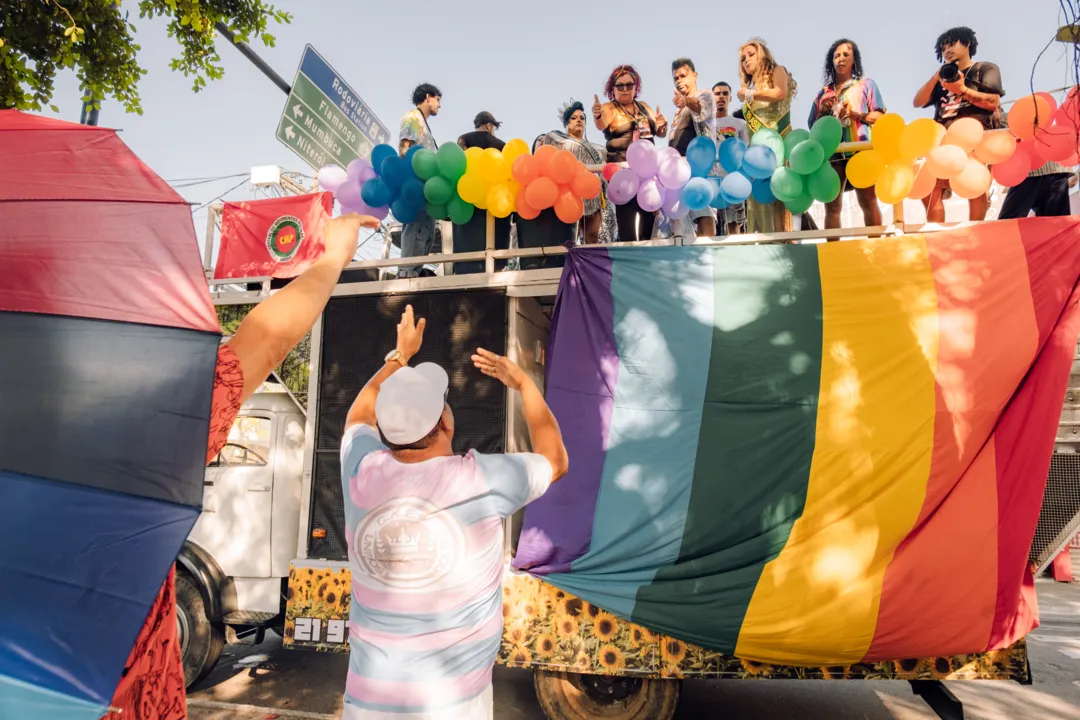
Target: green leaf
x=54 y=108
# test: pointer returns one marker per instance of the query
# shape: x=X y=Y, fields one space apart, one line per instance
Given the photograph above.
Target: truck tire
x=201 y=641
x=570 y=696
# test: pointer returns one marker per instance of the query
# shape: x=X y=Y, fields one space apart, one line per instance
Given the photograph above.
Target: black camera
x=949 y=72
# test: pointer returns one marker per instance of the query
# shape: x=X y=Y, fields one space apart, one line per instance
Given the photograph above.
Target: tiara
x=561 y=112
x=756 y=39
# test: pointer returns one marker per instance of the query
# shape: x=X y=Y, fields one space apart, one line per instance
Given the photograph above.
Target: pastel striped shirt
x=426 y=555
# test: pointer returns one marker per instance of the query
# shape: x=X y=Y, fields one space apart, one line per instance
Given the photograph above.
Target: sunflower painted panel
x=545 y=627
x=317 y=610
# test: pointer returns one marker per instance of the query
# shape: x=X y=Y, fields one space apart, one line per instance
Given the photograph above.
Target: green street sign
x=324 y=121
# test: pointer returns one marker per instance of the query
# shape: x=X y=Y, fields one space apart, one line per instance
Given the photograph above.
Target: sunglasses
x=624 y=86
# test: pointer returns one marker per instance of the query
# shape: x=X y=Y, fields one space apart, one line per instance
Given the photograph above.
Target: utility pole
x=245 y=50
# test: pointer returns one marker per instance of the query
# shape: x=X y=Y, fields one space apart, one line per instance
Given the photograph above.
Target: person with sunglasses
x=426 y=531
x=623 y=120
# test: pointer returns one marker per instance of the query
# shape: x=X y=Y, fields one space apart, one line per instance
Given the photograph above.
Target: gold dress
x=777 y=116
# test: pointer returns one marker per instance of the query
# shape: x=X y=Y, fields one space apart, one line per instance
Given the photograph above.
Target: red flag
x=278 y=238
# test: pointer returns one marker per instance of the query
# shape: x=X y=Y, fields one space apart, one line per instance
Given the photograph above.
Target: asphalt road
x=267 y=682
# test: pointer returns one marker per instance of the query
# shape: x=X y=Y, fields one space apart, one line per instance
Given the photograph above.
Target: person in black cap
x=484 y=134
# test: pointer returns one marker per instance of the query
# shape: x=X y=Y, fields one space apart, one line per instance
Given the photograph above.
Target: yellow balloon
x=885 y=136
x=515 y=149
x=500 y=201
x=492 y=166
x=471 y=188
x=864 y=168
x=470 y=159
x=919 y=138
x=895 y=183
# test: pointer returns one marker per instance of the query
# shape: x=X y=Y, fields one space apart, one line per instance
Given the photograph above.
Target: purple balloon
x=642 y=158
x=674 y=172
x=665 y=153
x=331 y=177
x=650 y=196
x=348 y=194
x=622 y=187
x=357 y=171
x=673 y=202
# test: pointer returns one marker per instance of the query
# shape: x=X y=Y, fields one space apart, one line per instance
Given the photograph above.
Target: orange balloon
x=973 y=182
x=946 y=161
x=563 y=167
x=569 y=208
x=1013 y=170
x=924 y=184
x=585 y=185
x=1027 y=114
x=525 y=169
x=1056 y=143
x=525 y=211
x=995 y=147
x=543 y=156
x=541 y=193
x=966 y=132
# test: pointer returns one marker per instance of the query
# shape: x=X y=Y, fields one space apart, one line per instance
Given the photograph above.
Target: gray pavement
x=293 y=685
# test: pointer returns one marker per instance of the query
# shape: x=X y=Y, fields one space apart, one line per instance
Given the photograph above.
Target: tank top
x=624 y=129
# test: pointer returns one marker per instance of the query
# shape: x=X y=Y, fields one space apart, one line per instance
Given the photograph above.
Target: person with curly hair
x=766 y=93
x=856 y=101
x=597 y=224
x=419 y=236
x=623 y=120
x=960 y=88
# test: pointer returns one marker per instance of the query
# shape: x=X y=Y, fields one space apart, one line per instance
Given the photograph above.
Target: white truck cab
x=232 y=570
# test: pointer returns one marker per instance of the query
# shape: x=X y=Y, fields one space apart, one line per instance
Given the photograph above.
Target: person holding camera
x=960 y=88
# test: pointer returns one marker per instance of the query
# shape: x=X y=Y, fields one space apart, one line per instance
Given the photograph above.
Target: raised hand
x=597 y=106
x=410 y=335
x=500 y=367
x=342 y=235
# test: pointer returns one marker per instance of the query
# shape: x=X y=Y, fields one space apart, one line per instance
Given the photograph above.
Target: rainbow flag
x=811 y=454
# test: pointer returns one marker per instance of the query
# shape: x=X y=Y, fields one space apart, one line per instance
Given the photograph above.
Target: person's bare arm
x=410 y=336
x=277 y=324
x=778 y=91
x=984 y=100
x=544 y=433
x=601 y=114
x=924 y=95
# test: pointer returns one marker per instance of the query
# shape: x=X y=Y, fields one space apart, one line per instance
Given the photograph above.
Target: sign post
x=324 y=120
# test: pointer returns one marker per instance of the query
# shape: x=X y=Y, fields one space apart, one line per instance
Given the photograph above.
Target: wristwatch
x=395 y=356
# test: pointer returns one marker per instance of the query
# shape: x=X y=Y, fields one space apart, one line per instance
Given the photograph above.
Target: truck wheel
x=201 y=642
x=570 y=696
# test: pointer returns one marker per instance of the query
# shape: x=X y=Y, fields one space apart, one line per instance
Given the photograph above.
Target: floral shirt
x=414 y=128
x=703 y=122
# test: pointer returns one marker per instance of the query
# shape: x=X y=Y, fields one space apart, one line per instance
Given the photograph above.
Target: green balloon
x=436 y=212
x=424 y=164
x=800 y=204
x=828 y=132
x=438 y=190
x=460 y=211
x=824 y=183
x=770 y=139
x=452 y=161
x=807 y=156
x=793 y=138
x=786 y=184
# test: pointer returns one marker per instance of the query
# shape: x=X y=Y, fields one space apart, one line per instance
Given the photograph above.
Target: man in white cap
x=426 y=539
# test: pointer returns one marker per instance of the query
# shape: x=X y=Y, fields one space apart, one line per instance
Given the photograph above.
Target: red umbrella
x=108 y=354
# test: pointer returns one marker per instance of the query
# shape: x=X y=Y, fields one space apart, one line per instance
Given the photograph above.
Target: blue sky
x=521 y=61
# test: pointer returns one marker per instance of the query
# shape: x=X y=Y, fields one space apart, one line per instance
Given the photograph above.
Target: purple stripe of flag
x=581 y=398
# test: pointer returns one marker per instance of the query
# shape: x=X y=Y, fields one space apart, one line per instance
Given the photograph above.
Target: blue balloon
x=701 y=154
x=732 y=151
x=379 y=154
x=412 y=192
x=697 y=194
x=762 y=192
x=376 y=193
x=736 y=187
x=403 y=211
x=395 y=171
x=412 y=151
x=718 y=201
x=758 y=162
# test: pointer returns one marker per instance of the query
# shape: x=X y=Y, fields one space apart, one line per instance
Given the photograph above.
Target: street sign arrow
x=298 y=111
x=289 y=133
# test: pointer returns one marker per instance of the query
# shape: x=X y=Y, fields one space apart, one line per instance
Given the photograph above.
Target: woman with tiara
x=767 y=90
x=598 y=222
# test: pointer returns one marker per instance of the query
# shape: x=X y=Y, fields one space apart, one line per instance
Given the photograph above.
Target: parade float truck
x=789 y=458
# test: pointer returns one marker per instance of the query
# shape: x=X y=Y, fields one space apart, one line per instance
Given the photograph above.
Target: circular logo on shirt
x=284 y=238
x=408 y=543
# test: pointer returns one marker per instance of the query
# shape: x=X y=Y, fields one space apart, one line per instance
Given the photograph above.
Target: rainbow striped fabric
x=811 y=454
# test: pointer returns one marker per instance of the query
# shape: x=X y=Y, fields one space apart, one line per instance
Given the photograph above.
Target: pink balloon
x=672 y=201
x=623 y=186
x=1055 y=143
x=650 y=196
x=666 y=153
x=674 y=172
x=641 y=156
x=1014 y=171
x=1051 y=100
